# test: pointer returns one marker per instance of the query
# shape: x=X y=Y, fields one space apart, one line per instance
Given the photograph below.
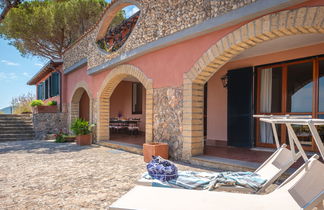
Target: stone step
x=122 y=146
x=16 y=136
x=16 y=139
x=20 y=131
x=14 y=129
x=15 y=121
x=4 y=135
x=15 y=117
x=15 y=124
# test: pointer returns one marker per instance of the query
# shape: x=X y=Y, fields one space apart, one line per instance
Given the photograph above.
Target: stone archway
x=108 y=86
x=285 y=23
x=80 y=89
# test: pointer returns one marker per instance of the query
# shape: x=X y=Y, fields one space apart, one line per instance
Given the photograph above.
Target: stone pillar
x=167 y=118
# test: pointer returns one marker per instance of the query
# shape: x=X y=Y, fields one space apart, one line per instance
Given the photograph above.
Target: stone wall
x=167 y=118
x=49 y=123
x=158 y=19
x=218 y=7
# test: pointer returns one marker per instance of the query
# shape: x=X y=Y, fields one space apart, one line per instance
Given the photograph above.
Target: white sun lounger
x=303 y=190
x=271 y=169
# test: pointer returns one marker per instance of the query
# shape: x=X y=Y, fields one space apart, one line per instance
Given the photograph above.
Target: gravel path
x=48 y=175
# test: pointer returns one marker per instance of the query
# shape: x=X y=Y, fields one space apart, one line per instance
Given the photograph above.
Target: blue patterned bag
x=162 y=169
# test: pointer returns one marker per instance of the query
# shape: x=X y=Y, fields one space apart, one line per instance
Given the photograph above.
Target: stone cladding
x=158 y=19
x=167 y=118
x=49 y=123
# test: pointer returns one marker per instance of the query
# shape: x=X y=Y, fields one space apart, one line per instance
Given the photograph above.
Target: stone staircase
x=15 y=127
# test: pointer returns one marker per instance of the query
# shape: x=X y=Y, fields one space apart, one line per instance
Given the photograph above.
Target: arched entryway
x=283 y=24
x=117 y=100
x=84 y=107
x=81 y=103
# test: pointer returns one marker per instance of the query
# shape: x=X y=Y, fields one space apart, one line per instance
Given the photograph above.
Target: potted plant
x=82 y=130
x=155 y=149
x=39 y=107
x=59 y=138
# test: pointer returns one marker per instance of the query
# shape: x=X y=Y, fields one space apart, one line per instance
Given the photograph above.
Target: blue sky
x=16 y=70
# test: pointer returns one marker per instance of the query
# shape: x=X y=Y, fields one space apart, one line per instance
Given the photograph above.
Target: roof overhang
x=47 y=68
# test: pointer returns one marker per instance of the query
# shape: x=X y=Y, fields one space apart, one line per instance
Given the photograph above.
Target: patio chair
x=304 y=189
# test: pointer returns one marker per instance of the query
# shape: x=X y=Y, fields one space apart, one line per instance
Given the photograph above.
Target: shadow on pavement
x=40 y=147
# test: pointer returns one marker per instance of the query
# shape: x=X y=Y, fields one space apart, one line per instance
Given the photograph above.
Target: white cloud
x=26 y=74
x=38 y=64
x=9 y=63
x=8 y=76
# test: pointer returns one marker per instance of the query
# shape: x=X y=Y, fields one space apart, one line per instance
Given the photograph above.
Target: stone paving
x=48 y=175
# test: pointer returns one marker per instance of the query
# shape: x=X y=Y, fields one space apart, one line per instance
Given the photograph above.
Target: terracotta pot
x=83 y=140
x=155 y=149
x=45 y=109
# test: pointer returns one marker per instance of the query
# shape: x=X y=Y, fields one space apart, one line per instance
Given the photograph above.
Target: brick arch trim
x=107 y=88
x=79 y=89
x=304 y=20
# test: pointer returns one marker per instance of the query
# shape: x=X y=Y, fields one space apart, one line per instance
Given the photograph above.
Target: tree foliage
x=120 y=16
x=47 y=28
x=21 y=103
x=6 y=5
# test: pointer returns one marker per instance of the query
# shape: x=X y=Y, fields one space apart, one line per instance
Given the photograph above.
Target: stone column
x=167 y=118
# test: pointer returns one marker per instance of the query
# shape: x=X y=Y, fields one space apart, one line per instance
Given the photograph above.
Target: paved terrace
x=48 y=175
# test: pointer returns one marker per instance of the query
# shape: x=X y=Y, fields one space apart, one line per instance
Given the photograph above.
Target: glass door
x=294 y=88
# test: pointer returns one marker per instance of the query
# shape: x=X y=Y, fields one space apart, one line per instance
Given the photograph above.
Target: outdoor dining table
x=125 y=125
x=295 y=120
x=127 y=122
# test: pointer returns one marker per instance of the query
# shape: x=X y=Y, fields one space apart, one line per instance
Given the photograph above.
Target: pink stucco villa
x=192 y=73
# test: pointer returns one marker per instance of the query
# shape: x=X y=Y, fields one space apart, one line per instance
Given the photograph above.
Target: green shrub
x=52 y=103
x=81 y=127
x=59 y=138
x=36 y=103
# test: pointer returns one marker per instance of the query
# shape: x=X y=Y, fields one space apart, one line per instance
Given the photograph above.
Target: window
x=137 y=96
x=299 y=87
x=294 y=88
x=50 y=87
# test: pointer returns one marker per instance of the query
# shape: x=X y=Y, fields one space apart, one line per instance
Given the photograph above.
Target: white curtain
x=265 y=105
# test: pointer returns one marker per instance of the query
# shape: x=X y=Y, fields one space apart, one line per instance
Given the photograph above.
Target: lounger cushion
x=142 y=197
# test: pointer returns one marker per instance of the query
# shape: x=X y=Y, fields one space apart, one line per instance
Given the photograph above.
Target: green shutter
x=56 y=83
x=38 y=91
x=46 y=89
x=43 y=90
x=50 y=86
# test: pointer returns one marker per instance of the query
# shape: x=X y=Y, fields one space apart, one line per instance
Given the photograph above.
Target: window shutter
x=46 y=89
x=56 y=83
x=50 y=86
x=38 y=91
x=43 y=90
x=240 y=129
